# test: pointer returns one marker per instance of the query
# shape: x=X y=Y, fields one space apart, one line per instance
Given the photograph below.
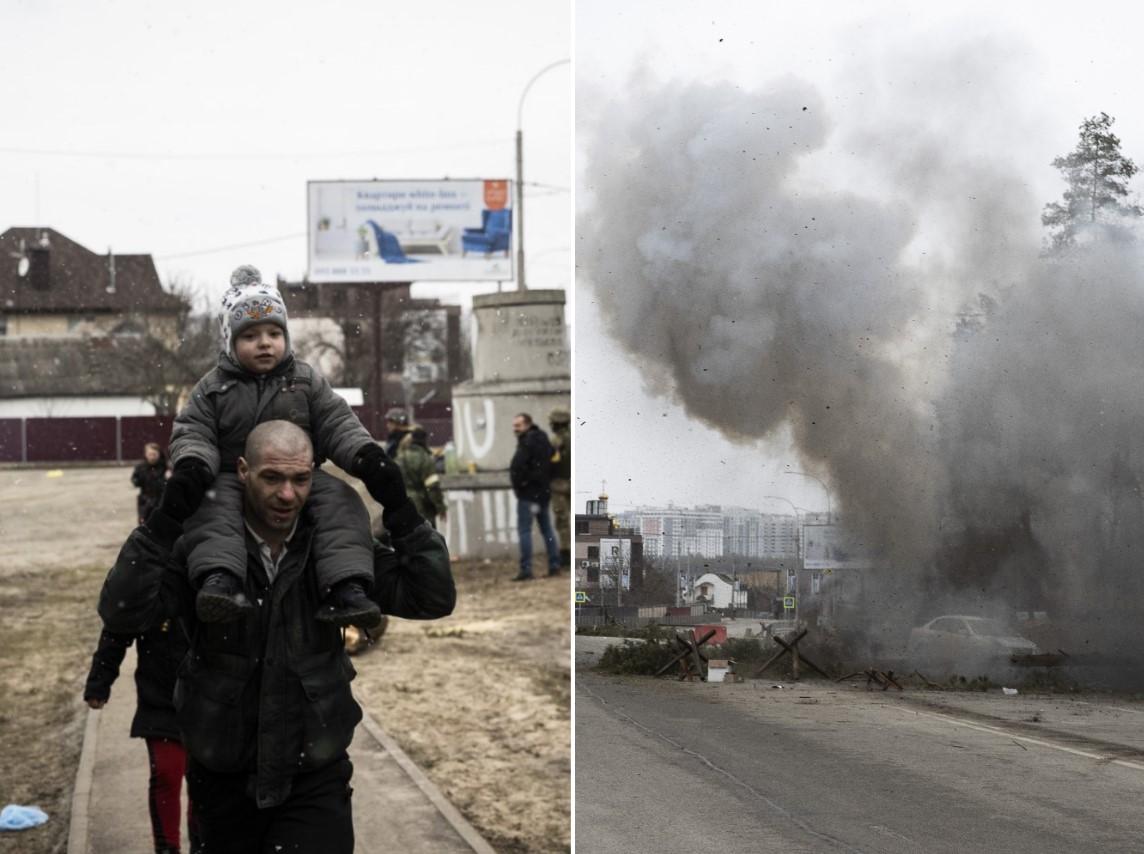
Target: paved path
x=396 y=808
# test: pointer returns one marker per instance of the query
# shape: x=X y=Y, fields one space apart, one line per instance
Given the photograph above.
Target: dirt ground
x=481 y=700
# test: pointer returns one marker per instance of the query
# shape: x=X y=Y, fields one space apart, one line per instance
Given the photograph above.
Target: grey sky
x=1065 y=63
x=219 y=113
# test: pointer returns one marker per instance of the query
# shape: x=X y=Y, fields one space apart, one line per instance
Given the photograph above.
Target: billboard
x=832 y=547
x=410 y=231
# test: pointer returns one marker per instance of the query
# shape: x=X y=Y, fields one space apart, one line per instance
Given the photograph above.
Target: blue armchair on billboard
x=388 y=246
x=493 y=235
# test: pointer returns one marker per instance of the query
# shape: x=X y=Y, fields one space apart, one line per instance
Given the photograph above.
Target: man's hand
x=95 y=703
x=184 y=490
x=381 y=476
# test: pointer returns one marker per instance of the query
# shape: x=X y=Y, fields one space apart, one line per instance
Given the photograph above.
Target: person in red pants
x=159 y=652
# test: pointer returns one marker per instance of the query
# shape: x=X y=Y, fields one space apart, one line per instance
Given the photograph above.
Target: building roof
x=65 y=367
x=726 y=579
x=64 y=276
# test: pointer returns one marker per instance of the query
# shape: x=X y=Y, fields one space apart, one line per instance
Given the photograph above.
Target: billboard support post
x=377 y=379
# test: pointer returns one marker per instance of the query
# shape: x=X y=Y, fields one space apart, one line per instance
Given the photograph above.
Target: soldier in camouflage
x=560 y=420
x=420 y=472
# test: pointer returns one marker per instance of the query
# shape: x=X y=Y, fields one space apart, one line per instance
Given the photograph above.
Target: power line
x=144 y=155
x=281 y=239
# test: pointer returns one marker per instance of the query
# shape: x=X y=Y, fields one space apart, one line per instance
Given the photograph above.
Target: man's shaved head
x=283 y=437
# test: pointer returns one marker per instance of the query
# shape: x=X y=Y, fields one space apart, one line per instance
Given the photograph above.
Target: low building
x=719 y=591
x=54 y=288
x=608 y=557
x=71 y=323
x=348 y=329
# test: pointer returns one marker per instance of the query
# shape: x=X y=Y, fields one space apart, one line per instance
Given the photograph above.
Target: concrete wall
x=482 y=519
x=483 y=413
x=521 y=364
x=520 y=335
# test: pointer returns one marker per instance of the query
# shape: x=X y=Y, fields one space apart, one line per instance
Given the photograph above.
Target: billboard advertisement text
x=410 y=231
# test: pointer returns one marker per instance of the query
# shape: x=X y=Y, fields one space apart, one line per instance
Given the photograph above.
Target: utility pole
x=519 y=214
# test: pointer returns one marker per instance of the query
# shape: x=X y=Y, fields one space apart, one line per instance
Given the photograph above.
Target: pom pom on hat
x=245 y=276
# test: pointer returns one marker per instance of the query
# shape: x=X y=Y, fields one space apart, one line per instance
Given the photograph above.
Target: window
x=593 y=553
x=128 y=329
x=581 y=526
x=3 y=325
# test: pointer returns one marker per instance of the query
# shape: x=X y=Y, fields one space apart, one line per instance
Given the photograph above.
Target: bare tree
x=658 y=585
x=163 y=363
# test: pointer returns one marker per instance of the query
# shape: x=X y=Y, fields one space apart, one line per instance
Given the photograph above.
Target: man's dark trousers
x=316 y=818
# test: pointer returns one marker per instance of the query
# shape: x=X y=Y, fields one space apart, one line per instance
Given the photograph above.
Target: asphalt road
x=664 y=766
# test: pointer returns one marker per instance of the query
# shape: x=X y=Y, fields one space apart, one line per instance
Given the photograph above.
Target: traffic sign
x=582 y=597
x=788 y=603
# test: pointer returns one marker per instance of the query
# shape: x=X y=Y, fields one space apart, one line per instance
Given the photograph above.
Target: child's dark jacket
x=159 y=651
x=230 y=401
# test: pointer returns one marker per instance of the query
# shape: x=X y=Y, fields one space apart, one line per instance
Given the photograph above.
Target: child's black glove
x=185 y=489
x=383 y=478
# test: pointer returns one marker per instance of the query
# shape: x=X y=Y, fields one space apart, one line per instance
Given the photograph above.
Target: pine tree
x=1097 y=175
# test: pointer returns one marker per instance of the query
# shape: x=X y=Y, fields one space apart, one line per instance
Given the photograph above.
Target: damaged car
x=966 y=644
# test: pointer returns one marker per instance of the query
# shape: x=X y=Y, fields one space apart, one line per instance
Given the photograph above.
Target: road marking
x=1135 y=766
x=1114 y=708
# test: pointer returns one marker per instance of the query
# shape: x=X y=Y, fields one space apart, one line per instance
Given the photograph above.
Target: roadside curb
x=444 y=806
x=78 y=826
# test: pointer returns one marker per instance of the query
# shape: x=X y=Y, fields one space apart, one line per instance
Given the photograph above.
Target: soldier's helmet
x=560 y=416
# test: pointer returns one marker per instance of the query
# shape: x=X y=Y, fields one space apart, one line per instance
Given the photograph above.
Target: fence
x=112 y=439
x=595 y=619
x=591 y=621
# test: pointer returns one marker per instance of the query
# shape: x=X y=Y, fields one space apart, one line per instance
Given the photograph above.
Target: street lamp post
x=797 y=546
x=520 y=283
x=825 y=489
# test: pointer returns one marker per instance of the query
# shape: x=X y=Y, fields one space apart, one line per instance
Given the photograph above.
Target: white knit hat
x=247 y=302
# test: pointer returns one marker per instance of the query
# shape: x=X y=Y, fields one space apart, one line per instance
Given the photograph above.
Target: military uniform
x=561 y=484
x=419 y=470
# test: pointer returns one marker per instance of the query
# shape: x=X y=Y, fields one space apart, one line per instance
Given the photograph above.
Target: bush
x=647 y=658
x=618 y=630
x=635 y=658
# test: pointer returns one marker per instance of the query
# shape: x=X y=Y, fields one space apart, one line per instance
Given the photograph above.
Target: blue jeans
x=525 y=512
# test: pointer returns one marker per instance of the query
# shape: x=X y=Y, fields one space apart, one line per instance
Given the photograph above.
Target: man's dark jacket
x=270 y=693
x=530 y=469
x=160 y=650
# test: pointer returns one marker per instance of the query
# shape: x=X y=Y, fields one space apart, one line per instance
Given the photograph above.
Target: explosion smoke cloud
x=988 y=454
